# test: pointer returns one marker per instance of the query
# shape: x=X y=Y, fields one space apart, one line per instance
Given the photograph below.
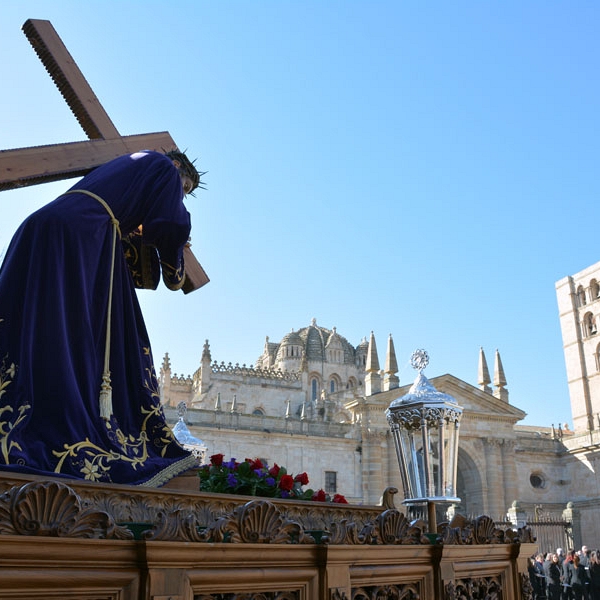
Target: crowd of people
x=574 y=575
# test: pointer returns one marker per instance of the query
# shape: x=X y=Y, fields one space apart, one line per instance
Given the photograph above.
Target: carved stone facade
x=315 y=403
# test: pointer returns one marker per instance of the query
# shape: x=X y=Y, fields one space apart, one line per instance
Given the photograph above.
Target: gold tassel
x=106 y=408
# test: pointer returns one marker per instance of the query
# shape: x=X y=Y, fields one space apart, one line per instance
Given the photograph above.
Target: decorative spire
x=373 y=376
x=483 y=373
x=206 y=358
x=166 y=366
x=233 y=405
x=500 y=379
x=303 y=413
x=218 y=402
x=391 y=380
x=288 y=411
x=372 y=358
x=391 y=364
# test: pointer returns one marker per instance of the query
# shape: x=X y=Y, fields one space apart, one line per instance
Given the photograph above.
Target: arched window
x=581 y=296
x=259 y=412
x=597 y=357
x=594 y=290
x=589 y=325
x=332 y=386
x=314 y=388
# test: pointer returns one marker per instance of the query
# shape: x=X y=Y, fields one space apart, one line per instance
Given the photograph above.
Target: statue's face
x=187 y=184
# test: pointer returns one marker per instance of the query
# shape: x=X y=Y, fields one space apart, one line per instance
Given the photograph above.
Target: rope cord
x=106 y=409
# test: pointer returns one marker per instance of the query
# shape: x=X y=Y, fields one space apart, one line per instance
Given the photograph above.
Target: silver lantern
x=425 y=427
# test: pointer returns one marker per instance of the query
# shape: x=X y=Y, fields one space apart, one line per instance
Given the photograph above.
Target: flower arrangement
x=252 y=477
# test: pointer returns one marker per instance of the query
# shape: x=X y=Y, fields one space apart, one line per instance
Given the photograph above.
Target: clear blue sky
x=422 y=169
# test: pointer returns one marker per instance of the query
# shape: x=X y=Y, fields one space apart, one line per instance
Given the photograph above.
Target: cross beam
x=41 y=164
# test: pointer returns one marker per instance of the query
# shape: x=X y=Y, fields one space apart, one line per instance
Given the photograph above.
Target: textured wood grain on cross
x=40 y=164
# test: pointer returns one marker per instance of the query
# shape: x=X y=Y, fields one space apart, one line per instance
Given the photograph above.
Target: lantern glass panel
x=426 y=443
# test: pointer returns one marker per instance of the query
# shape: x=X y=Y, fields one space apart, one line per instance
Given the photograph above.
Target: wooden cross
x=22 y=167
x=41 y=164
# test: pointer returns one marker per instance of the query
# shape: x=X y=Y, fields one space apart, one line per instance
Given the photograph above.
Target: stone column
x=494 y=502
x=508 y=469
x=373 y=467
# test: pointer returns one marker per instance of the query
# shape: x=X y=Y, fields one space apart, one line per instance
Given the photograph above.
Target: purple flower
x=285 y=494
x=230 y=464
x=232 y=480
x=270 y=481
x=259 y=472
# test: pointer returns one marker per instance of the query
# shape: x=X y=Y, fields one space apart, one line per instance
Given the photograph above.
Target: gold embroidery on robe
x=7 y=413
x=94 y=462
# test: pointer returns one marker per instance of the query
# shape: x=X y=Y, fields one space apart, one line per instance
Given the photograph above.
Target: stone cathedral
x=314 y=402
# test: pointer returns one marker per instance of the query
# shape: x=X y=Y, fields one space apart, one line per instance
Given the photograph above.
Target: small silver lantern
x=425 y=428
x=184 y=435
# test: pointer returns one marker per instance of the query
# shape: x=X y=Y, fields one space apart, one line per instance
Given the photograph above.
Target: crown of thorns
x=187 y=168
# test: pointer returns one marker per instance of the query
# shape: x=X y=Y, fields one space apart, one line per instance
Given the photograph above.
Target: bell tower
x=579 y=312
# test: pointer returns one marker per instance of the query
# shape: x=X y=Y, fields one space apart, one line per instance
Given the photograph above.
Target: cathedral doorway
x=469 y=487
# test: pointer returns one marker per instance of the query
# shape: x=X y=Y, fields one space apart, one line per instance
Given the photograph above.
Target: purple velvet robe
x=54 y=284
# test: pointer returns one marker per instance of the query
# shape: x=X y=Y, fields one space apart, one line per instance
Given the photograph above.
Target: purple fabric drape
x=54 y=285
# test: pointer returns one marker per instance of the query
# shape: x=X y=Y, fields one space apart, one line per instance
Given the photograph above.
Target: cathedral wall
x=271 y=397
x=541 y=471
x=176 y=391
x=267 y=395
x=589 y=524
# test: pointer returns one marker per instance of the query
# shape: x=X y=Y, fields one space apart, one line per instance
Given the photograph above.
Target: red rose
x=339 y=499
x=286 y=483
x=217 y=459
x=301 y=478
x=319 y=496
x=274 y=470
x=255 y=464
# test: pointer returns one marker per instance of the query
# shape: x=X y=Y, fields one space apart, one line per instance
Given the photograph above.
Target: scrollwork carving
x=251 y=596
x=257 y=522
x=481 y=530
x=408 y=591
x=526 y=587
x=475 y=588
x=392 y=527
x=53 y=509
x=387 y=500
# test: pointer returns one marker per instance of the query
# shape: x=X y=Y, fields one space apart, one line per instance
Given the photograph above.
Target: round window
x=537 y=480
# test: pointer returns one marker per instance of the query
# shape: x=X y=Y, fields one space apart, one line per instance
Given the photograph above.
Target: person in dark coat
x=578 y=578
x=539 y=577
x=567 y=591
x=553 y=577
x=594 y=574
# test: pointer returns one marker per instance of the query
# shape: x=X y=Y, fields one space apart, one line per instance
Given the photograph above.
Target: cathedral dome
x=313 y=341
x=290 y=347
x=291 y=339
